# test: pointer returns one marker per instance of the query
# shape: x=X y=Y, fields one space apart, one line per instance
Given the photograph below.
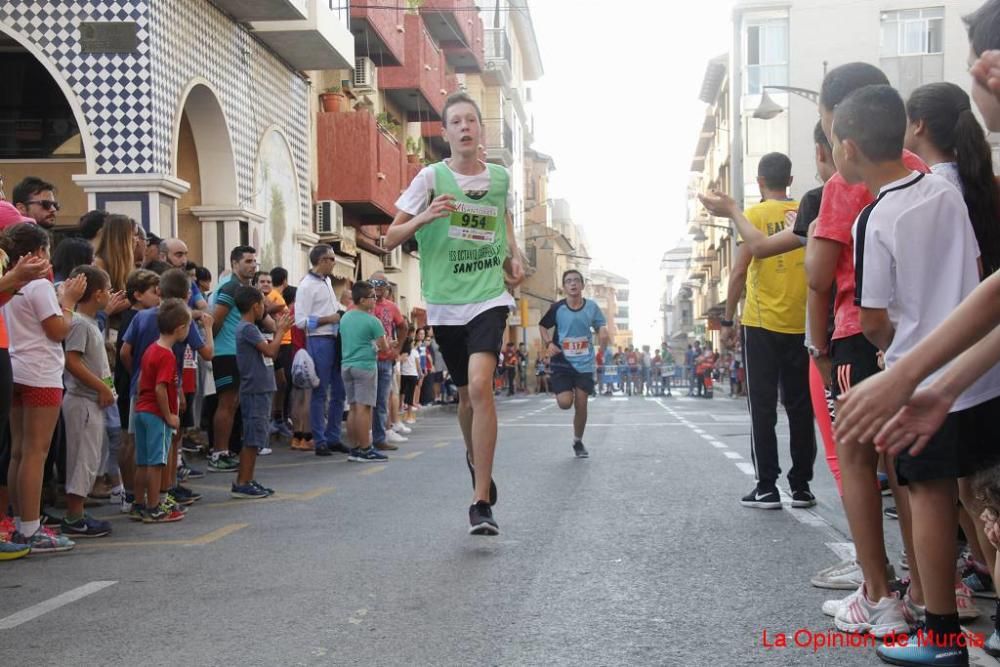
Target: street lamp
x=697 y=231
x=768 y=108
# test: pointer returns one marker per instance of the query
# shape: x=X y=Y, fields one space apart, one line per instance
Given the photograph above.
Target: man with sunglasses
x=317 y=313
x=36 y=199
x=396 y=330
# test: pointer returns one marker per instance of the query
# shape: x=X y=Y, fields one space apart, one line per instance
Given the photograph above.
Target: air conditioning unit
x=393 y=259
x=364 y=75
x=329 y=218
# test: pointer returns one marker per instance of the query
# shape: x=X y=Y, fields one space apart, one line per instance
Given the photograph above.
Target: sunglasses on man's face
x=377 y=283
x=47 y=204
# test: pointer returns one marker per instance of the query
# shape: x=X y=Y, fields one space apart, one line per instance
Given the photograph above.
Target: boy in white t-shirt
x=459 y=211
x=915 y=261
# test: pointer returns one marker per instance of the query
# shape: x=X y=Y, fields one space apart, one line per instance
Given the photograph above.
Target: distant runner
x=567 y=330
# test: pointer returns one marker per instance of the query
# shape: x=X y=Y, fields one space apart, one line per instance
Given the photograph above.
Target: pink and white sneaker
x=860 y=615
x=967 y=609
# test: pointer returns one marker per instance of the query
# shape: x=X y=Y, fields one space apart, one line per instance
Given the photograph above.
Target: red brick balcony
x=419 y=86
x=458 y=29
x=359 y=166
x=377 y=26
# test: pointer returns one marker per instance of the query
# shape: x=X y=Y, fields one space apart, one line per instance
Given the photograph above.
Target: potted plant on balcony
x=389 y=125
x=413 y=6
x=414 y=149
x=332 y=99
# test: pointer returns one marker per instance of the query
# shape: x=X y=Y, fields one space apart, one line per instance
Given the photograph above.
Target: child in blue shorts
x=156 y=410
x=257 y=386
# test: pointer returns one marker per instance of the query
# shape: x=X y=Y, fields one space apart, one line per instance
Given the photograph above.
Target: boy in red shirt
x=848 y=357
x=156 y=410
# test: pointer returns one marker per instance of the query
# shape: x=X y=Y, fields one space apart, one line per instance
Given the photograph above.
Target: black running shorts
x=563 y=380
x=483 y=333
x=967 y=442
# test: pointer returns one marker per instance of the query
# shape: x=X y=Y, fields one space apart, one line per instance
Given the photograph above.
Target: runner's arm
x=603 y=336
x=404 y=225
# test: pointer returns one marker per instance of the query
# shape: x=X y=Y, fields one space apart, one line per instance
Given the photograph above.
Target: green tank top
x=462 y=255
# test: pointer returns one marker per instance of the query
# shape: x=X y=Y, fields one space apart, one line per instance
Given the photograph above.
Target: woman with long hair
x=943 y=131
x=38 y=320
x=116 y=249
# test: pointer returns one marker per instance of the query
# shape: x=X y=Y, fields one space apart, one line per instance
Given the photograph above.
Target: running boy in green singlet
x=459 y=212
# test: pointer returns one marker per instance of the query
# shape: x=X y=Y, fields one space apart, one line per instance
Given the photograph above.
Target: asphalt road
x=640 y=555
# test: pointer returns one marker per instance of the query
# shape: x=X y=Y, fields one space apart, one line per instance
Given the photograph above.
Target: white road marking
x=747 y=468
x=731 y=455
x=515 y=401
x=52 y=604
x=717 y=444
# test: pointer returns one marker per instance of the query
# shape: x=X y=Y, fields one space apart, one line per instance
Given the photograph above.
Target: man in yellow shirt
x=773 y=337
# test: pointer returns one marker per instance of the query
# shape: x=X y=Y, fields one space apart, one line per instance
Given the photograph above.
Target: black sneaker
x=580 y=451
x=339 y=448
x=762 y=499
x=183 y=495
x=493 y=486
x=803 y=498
x=481 y=520
x=323 y=450
x=890 y=513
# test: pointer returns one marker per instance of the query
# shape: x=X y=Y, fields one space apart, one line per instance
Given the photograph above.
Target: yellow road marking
x=207 y=538
x=372 y=470
x=315 y=493
x=441 y=444
x=310 y=462
x=232 y=502
x=410 y=456
x=219 y=533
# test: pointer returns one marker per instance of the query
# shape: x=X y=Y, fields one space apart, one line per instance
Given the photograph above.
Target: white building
x=795 y=42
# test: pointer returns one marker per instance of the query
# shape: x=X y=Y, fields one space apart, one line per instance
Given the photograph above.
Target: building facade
x=790 y=44
x=190 y=116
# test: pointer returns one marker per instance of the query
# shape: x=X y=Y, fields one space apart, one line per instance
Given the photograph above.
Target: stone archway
x=203 y=156
x=44 y=131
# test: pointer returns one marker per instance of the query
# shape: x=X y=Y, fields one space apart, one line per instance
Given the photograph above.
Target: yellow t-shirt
x=275 y=297
x=776 y=286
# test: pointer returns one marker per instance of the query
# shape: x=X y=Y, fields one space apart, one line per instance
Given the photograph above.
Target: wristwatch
x=726 y=323
x=817 y=352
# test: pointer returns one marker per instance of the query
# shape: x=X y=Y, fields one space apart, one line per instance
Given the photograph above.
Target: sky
x=618 y=110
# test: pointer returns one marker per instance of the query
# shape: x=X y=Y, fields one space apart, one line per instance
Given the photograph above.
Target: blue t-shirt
x=574 y=333
x=143 y=331
x=256 y=377
x=225 y=340
x=196 y=296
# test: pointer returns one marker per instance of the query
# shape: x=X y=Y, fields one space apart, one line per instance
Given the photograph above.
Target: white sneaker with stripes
x=860 y=615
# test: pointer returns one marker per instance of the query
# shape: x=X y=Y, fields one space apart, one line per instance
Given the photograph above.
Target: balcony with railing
x=264 y=10
x=378 y=30
x=319 y=39
x=458 y=29
x=419 y=86
x=360 y=166
x=499 y=142
x=499 y=57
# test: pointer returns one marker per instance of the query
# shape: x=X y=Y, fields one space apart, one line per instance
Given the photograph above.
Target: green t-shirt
x=462 y=254
x=358 y=330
